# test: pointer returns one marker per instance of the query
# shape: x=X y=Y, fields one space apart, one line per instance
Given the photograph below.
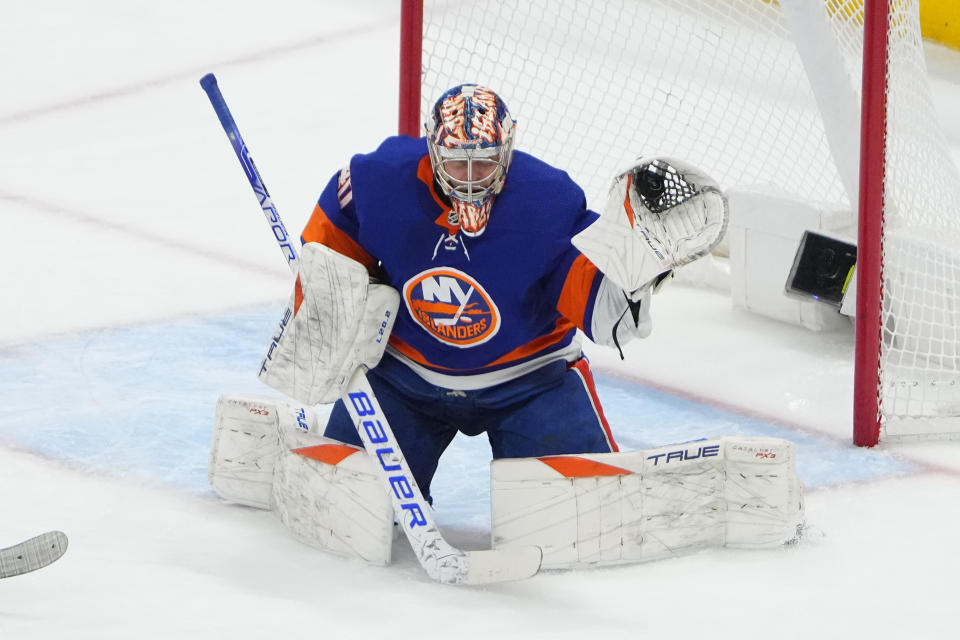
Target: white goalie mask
x=470 y=139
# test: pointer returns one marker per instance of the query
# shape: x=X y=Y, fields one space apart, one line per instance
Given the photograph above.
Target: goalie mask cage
x=765 y=96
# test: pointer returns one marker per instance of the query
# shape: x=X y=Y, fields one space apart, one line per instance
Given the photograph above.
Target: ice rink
x=139 y=283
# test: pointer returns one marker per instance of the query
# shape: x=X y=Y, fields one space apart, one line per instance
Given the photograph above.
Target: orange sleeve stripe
x=575 y=295
x=320 y=229
x=331 y=454
x=571 y=467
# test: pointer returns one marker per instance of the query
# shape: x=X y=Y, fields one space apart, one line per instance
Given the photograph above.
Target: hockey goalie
x=462 y=275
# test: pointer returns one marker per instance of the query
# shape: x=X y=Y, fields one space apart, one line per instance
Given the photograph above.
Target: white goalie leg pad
x=246 y=443
x=335 y=322
x=328 y=495
x=661 y=214
x=616 y=508
x=763 y=493
x=267 y=453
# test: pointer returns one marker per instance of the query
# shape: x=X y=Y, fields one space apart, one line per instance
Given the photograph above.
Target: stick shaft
x=441 y=561
x=210 y=86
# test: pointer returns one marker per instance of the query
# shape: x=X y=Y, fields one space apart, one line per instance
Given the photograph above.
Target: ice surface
x=138 y=283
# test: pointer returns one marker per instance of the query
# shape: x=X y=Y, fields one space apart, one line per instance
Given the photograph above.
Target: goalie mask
x=470 y=138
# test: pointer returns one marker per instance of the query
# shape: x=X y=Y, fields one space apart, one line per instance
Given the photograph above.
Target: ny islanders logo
x=452 y=307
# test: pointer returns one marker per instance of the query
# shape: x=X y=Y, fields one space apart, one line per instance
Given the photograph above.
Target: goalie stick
x=32 y=554
x=441 y=561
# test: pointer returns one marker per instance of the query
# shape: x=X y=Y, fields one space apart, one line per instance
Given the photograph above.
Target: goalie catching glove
x=336 y=321
x=661 y=214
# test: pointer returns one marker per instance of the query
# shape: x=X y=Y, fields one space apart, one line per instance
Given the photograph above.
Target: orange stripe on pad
x=572 y=467
x=332 y=454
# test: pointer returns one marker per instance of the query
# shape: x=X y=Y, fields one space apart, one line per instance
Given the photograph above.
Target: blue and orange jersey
x=474 y=311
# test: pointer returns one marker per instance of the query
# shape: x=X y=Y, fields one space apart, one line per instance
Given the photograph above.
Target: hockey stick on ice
x=32 y=554
x=442 y=562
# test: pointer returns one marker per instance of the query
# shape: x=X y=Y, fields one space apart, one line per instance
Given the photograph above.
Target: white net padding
x=723 y=84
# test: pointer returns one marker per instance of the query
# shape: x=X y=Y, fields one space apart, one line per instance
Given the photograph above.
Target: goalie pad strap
x=336 y=321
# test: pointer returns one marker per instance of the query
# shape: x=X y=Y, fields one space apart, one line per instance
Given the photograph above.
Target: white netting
x=723 y=85
x=596 y=85
x=921 y=315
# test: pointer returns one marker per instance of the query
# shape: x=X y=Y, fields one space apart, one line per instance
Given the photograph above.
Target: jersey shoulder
x=393 y=154
x=546 y=195
x=531 y=169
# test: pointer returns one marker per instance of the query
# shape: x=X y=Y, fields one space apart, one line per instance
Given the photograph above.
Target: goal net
x=765 y=96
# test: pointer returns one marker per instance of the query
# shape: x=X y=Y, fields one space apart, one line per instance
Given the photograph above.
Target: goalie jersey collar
x=450 y=238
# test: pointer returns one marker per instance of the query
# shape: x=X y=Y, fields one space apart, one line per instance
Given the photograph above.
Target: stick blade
x=32 y=554
x=502 y=565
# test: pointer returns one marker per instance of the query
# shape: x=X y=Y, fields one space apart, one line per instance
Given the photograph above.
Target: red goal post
x=821 y=102
x=867 y=419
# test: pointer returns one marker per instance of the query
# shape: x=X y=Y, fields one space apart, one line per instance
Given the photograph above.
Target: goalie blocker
x=582 y=511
